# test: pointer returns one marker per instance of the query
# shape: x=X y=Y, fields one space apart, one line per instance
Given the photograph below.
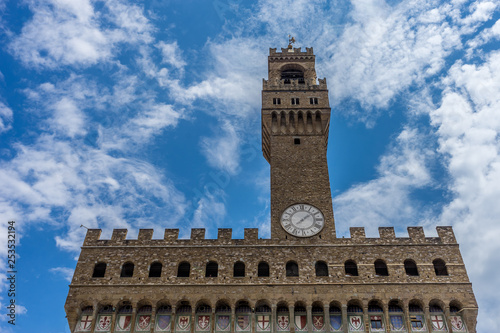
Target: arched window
x=321 y=268
x=212 y=269
x=263 y=269
x=85 y=322
x=351 y=269
x=155 y=269
x=411 y=268
x=183 y=269
x=127 y=270
x=292 y=269
x=239 y=269
x=99 y=270
x=440 y=267
x=381 y=268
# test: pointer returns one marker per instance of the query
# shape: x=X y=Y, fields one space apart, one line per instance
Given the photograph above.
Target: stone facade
x=285 y=283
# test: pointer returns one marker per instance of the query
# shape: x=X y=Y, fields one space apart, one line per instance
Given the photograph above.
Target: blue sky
x=146 y=114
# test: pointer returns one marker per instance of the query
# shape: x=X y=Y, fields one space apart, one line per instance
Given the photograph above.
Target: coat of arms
x=457 y=323
x=301 y=321
x=242 y=322
x=263 y=322
x=123 y=323
x=355 y=323
x=143 y=322
x=104 y=323
x=336 y=322
x=183 y=322
x=162 y=322
x=437 y=323
x=203 y=322
x=85 y=323
x=318 y=322
x=283 y=322
x=223 y=323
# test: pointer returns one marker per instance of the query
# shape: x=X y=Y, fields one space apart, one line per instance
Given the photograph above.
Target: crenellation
x=198 y=234
x=446 y=234
x=92 y=236
x=224 y=235
x=251 y=234
x=171 y=235
x=145 y=235
x=119 y=235
x=387 y=233
x=416 y=234
x=357 y=233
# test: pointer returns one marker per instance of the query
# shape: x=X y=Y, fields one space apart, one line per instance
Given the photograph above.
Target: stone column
x=387 y=323
x=113 y=321
x=232 y=328
x=173 y=319
x=94 y=318
x=345 y=323
x=447 y=318
x=212 y=321
x=406 y=316
x=134 y=318
x=273 y=318
x=291 y=314
x=193 y=317
x=366 y=319
x=309 y=318
x=253 y=319
x=153 y=319
x=326 y=316
x=427 y=318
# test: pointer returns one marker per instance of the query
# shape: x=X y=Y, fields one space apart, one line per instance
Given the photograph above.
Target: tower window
x=296 y=141
x=127 y=270
x=440 y=267
x=411 y=268
x=99 y=270
x=313 y=100
x=183 y=270
x=212 y=269
x=155 y=269
x=321 y=269
x=239 y=269
x=351 y=269
x=381 y=268
x=276 y=101
x=263 y=269
x=292 y=269
x=295 y=101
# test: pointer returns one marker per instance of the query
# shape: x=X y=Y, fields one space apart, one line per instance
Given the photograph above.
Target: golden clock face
x=302 y=220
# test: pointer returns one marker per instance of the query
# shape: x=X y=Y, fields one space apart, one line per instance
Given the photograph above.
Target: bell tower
x=295 y=124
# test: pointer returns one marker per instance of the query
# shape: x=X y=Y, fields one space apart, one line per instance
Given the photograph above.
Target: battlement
x=293 y=85
x=290 y=51
x=416 y=235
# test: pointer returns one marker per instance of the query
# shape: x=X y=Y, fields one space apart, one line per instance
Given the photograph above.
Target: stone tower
x=295 y=123
x=302 y=279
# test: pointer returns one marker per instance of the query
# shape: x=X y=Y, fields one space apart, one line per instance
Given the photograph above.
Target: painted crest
x=104 y=323
x=123 y=323
x=263 y=322
x=318 y=322
x=418 y=323
x=397 y=323
x=163 y=322
x=283 y=322
x=203 y=322
x=243 y=321
x=223 y=323
x=355 y=323
x=456 y=323
x=437 y=323
x=336 y=322
x=85 y=323
x=183 y=322
x=301 y=321
x=143 y=322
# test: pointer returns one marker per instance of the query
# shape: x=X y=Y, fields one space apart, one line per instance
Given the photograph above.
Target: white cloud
x=171 y=54
x=63 y=32
x=64 y=272
x=6 y=118
x=222 y=151
x=68 y=118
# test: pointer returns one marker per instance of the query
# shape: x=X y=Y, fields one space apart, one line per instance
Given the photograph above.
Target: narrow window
x=313 y=100
x=239 y=269
x=351 y=269
x=440 y=267
x=276 y=101
x=263 y=269
x=321 y=268
x=292 y=269
x=99 y=270
x=155 y=269
x=212 y=269
x=183 y=269
x=296 y=141
x=127 y=270
x=411 y=268
x=295 y=101
x=381 y=268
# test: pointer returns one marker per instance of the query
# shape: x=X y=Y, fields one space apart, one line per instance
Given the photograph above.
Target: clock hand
x=303 y=219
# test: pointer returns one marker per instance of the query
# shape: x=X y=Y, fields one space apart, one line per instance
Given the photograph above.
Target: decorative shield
x=263 y=322
x=417 y=323
x=243 y=321
x=203 y=322
x=104 y=323
x=124 y=322
x=318 y=322
x=300 y=321
x=163 y=322
x=437 y=323
x=283 y=322
x=85 y=323
x=336 y=322
x=143 y=322
x=457 y=323
x=183 y=322
x=355 y=323
x=223 y=322
x=397 y=323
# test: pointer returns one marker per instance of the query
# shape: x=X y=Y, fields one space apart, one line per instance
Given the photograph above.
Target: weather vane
x=291 y=40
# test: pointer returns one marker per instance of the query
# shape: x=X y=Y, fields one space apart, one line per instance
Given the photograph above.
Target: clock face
x=302 y=220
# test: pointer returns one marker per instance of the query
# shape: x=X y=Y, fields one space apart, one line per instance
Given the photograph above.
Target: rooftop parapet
x=292 y=51
x=251 y=237
x=293 y=85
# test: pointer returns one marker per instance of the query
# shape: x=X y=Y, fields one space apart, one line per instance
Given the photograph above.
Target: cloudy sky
x=146 y=114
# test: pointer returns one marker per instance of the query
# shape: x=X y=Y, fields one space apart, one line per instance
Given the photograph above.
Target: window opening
x=239 y=269
x=276 y=101
x=212 y=269
x=296 y=141
x=351 y=269
x=292 y=269
x=313 y=100
x=440 y=267
x=155 y=269
x=99 y=270
x=184 y=269
x=263 y=269
x=295 y=101
x=127 y=270
x=321 y=269
x=381 y=268
x=411 y=268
